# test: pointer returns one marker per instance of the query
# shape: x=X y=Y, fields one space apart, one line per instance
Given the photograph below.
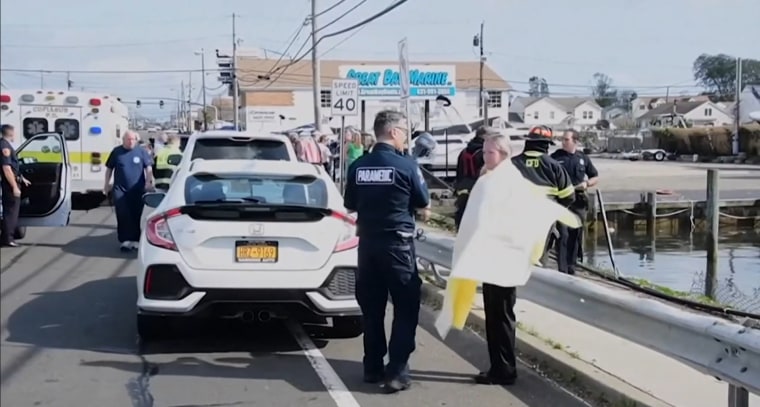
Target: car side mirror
x=153 y=199
x=174 y=159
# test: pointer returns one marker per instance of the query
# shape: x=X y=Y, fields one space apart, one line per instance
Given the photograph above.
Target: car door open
x=44 y=161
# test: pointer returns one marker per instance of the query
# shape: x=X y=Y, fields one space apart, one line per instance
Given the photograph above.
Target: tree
x=538 y=87
x=603 y=92
x=717 y=74
x=625 y=98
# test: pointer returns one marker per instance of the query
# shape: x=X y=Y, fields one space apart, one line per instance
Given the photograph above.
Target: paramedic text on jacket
x=385 y=188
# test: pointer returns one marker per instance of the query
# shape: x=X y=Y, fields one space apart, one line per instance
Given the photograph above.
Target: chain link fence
x=728 y=294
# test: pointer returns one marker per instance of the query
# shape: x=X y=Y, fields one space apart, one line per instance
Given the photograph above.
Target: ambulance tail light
x=157 y=230
x=5 y=98
x=95 y=102
x=95 y=159
x=348 y=239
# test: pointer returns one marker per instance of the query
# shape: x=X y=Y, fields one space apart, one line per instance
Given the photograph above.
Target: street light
x=202 y=53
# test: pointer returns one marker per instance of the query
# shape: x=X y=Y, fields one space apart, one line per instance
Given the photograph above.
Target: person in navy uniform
x=386 y=188
x=132 y=170
x=10 y=186
x=583 y=175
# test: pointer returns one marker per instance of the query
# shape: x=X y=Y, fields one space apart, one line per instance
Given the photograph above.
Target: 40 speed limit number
x=344 y=97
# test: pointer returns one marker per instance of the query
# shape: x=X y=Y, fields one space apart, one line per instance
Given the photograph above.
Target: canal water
x=679 y=262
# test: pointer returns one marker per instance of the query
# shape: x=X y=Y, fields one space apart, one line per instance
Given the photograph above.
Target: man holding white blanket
x=502 y=235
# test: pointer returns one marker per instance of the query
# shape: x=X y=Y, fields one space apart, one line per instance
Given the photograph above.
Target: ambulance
x=91 y=123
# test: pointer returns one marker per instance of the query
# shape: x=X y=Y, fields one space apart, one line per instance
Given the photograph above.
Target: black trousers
x=570 y=245
x=11 y=209
x=499 y=306
x=460 y=204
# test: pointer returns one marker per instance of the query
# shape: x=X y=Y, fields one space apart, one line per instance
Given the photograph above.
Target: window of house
x=535 y=115
x=642 y=107
x=591 y=114
x=585 y=114
x=325 y=98
x=551 y=114
x=494 y=98
x=708 y=111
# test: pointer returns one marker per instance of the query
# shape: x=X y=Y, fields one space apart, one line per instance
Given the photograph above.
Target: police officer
x=583 y=175
x=164 y=170
x=537 y=166
x=469 y=164
x=385 y=188
x=131 y=167
x=10 y=183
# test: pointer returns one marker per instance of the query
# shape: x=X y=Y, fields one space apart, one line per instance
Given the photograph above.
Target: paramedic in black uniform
x=583 y=175
x=10 y=182
x=385 y=188
x=535 y=164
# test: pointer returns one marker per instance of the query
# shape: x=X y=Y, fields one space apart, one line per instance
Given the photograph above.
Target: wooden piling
x=712 y=223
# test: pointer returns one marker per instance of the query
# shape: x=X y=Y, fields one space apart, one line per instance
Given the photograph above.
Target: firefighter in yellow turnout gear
x=163 y=169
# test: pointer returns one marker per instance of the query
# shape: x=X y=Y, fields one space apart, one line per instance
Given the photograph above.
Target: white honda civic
x=248 y=239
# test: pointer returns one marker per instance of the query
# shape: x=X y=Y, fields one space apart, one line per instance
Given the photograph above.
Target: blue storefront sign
x=383 y=81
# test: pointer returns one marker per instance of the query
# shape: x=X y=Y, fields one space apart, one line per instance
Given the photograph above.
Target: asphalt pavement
x=69 y=339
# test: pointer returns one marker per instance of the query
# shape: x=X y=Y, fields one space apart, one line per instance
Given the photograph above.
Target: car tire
x=19 y=233
x=151 y=327
x=347 y=327
x=659 y=156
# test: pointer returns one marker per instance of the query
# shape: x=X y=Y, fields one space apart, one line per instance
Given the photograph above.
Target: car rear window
x=265 y=189
x=240 y=149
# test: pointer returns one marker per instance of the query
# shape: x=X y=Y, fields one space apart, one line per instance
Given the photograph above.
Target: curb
x=586 y=380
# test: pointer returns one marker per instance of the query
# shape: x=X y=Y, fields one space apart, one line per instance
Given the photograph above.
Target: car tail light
x=157 y=230
x=5 y=98
x=94 y=102
x=348 y=239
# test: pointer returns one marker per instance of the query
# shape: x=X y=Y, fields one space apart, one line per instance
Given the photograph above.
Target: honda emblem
x=256 y=229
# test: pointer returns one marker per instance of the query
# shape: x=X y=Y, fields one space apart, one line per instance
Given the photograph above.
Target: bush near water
x=708 y=141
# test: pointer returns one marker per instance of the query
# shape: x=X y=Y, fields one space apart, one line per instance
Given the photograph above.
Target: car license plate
x=256 y=251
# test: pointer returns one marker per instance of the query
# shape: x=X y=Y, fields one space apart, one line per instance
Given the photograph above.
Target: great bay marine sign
x=383 y=81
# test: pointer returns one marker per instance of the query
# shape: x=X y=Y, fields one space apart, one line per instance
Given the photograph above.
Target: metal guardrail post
x=607 y=235
x=737 y=396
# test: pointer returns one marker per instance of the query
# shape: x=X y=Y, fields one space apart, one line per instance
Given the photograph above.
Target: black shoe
x=396 y=385
x=373 y=378
x=486 y=378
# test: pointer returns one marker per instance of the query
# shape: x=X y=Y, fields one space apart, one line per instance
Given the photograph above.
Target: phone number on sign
x=429 y=91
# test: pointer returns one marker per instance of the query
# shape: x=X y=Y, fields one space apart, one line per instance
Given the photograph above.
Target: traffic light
x=225 y=68
x=137 y=103
x=161 y=104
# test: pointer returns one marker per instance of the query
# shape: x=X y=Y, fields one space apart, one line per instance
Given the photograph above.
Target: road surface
x=69 y=340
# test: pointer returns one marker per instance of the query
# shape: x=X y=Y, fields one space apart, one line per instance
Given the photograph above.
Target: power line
x=343 y=41
x=331 y=7
x=339 y=32
x=95 y=72
x=342 y=15
x=115 y=45
x=131 y=24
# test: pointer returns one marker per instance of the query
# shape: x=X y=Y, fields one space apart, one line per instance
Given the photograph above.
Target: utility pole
x=203 y=85
x=190 y=122
x=315 y=68
x=478 y=42
x=68 y=81
x=235 y=102
x=182 y=102
x=737 y=114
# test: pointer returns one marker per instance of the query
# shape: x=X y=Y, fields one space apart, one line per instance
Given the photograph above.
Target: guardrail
x=711 y=345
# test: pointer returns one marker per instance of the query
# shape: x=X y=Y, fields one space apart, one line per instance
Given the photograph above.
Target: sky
x=643 y=45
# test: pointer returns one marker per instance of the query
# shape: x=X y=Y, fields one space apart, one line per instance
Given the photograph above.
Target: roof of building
x=568 y=103
x=253 y=72
x=649 y=100
x=667 y=108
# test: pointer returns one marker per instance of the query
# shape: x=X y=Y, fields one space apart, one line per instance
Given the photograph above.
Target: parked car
x=248 y=239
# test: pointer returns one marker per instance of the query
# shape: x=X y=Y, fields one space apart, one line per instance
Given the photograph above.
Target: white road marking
x=330 y=379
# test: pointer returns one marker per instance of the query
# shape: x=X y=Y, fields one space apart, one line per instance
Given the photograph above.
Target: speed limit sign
x=344 y=97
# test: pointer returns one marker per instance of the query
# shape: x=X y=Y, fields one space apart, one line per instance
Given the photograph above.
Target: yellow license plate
x=257 y=251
